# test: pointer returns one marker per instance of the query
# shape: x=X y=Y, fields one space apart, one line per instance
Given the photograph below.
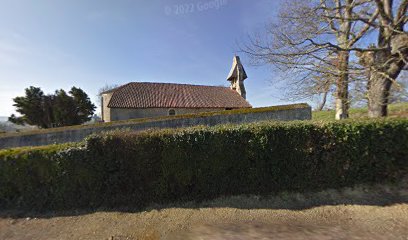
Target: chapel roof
x=171 y=95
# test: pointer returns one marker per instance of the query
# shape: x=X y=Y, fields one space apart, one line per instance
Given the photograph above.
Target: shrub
x=135 y=169
x=161 y=118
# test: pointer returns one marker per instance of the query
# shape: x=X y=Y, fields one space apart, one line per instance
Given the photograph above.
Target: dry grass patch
x=362 y=212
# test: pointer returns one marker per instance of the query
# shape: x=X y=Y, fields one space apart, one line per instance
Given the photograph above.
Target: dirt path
x=327 y=222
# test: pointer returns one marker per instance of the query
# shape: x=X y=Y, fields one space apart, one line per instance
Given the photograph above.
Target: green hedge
x=221 y=111
x=128 y=169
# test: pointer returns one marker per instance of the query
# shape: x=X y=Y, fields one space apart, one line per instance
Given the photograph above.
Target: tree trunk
x=380 y=83
x=342 y=103
x=343 y=38
x=323 y=103
x=388 y=63
x=378 y=96
x=386 y=67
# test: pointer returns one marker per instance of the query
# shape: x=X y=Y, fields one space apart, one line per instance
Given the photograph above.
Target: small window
x=172 y=112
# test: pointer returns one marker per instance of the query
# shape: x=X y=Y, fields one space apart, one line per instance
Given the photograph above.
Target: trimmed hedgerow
x=129 y=169
x=221 y=111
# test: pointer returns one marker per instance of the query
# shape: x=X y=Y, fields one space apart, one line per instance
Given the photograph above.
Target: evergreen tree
x=31 y=107
x=85 y=108
x=58 y=109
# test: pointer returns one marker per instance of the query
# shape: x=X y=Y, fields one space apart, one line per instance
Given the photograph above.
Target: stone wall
x=76 y=135
x=117 y=114
x=106 y=112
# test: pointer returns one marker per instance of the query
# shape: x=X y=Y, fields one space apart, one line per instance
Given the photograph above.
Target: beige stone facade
x=106 y=112
x=147 y=99
x=117 y=114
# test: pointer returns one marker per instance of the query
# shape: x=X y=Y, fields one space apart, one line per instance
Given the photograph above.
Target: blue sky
x=56 y=44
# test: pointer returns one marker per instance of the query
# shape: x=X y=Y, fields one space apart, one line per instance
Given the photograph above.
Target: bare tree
x=321 y=84
x=399 y=90
x=306 y=38
x=103 y=89
x=386 y=60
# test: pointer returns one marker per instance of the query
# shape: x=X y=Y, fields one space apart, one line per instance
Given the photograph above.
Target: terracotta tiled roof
x=170 y=95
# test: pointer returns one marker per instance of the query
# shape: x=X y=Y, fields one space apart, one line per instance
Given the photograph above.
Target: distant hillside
x=395 y=110
x=3 y=119
x=6 y=126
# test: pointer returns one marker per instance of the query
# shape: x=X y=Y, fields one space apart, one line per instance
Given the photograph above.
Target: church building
x=148 y=99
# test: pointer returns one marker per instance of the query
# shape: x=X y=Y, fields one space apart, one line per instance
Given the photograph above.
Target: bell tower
x=237 y=76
